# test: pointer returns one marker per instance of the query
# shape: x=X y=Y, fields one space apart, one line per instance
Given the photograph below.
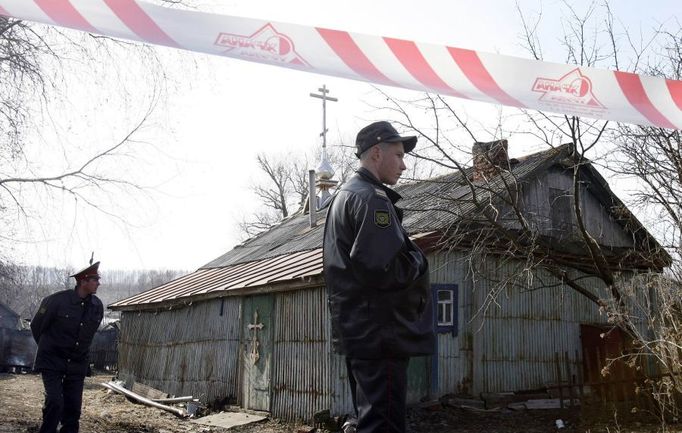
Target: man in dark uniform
x=64 y=327
x=377 y=283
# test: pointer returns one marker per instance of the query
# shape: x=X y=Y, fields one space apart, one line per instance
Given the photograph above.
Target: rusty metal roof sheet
x=206 y=282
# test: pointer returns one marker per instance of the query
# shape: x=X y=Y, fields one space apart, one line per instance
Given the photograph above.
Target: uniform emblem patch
x=382 y=218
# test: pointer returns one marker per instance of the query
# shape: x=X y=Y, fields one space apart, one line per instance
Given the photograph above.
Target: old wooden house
x=252 y=326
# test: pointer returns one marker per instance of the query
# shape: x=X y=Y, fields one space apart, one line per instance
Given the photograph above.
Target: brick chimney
x=489 y=159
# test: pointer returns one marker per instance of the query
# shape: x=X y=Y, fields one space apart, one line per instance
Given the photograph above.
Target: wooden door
x=257 y=347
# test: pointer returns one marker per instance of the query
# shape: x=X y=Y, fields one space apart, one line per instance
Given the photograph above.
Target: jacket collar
x=367 y=175
x=75 y=299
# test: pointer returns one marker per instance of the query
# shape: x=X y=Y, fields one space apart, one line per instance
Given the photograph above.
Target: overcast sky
x=219 y=113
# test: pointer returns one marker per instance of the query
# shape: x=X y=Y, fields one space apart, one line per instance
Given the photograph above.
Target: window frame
x=561 y=212
x=453 y=303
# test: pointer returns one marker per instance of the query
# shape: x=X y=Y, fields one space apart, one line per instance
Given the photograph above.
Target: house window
x=445 y=305
x=561 y=210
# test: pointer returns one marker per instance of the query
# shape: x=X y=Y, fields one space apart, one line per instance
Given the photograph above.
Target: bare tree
x=20 y=67
x=24 y=288
x=281 y=180
x=285 y=190
x=495 y=203
x=653 y=157
x=284 y=187
x=502 y=225
x=51 y=85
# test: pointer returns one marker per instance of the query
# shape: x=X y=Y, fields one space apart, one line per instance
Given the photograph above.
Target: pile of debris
x=186 y=407
x=494 y=402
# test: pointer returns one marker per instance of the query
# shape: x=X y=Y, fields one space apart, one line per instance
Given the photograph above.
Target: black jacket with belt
x=377 y=279
x=64 y=327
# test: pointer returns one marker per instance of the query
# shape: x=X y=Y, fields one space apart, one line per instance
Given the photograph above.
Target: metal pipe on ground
x=182 y=413
x=175 y=399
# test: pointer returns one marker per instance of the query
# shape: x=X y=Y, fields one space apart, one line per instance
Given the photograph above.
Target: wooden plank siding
x=547 y=205
x=546 y=197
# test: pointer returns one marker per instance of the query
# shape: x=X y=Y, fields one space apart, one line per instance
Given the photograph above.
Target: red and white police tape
x=463 y=73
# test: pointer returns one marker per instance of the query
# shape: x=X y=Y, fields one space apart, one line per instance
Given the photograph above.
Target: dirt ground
x=21 y=397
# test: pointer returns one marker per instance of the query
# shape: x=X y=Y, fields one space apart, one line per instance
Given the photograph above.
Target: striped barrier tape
x=463 y=73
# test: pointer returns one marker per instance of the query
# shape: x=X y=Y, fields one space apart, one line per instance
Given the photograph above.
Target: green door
x=257 y=334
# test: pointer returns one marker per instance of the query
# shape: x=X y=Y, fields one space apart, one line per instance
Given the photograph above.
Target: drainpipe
x=312 y=197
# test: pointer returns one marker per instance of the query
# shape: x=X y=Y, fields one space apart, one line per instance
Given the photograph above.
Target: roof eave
x=287 y=286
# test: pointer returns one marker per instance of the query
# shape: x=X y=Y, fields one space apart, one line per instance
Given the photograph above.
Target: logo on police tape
x=573 y=89
x=265 y=44
x=382 y=218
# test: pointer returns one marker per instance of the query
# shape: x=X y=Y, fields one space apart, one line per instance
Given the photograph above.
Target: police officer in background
x=377 y=283
x=64 y=327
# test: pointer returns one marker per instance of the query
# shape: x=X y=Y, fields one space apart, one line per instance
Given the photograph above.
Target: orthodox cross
x=255 y=327
x=323 y=96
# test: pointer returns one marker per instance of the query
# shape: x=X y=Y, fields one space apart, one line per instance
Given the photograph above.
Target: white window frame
x=445 y=305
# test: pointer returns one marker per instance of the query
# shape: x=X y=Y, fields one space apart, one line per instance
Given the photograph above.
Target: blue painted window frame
x=454 y=290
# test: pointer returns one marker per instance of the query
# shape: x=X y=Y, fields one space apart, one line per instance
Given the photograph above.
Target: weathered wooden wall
x=548 y=205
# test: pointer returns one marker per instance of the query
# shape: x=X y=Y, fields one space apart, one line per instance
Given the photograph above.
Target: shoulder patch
x=42 y=310
x=382 y=218
x=381 y=193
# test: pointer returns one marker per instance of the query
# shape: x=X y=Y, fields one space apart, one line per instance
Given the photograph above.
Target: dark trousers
x=379 y=391
x=63 y=398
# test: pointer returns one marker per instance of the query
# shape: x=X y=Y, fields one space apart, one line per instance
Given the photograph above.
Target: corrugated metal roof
x=291 y=235
x=292 y=249
x=299 y=265
x=429 y=205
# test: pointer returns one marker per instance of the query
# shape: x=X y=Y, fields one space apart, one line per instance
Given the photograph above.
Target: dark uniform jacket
x=377 y=279
x=64 y=327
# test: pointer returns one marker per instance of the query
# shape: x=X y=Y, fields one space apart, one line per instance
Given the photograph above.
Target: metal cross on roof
x=324 y=91
x=255 y=327
x=325 y=170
